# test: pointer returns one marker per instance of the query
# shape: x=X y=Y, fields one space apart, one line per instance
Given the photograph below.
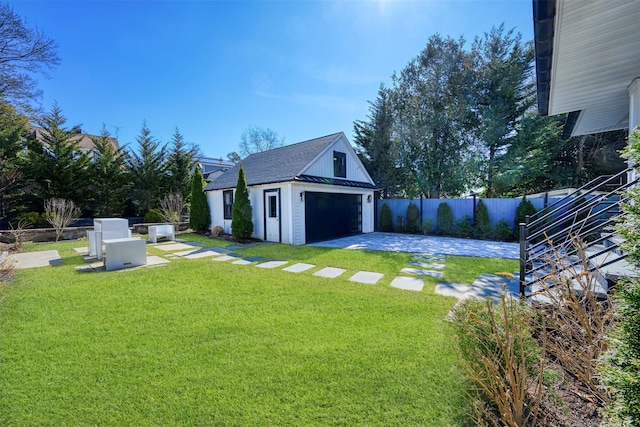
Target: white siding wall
x=292 y=220
x=216 y=210
x=324 y=165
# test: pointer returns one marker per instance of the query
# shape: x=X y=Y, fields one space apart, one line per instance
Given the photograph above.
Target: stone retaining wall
x=70 y=233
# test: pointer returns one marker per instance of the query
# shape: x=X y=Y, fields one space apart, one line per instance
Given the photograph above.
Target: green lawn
x=197 y=342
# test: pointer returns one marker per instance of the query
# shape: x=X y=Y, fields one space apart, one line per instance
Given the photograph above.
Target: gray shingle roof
x=277 y=165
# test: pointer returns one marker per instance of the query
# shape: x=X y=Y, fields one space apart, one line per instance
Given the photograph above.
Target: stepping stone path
x=329 y=272
x=420 y=265
x=299 y=267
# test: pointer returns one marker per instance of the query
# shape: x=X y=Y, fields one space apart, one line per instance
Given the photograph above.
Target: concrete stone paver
x=427 y=265
x=366 y=277
x=420 y=272
x=35 y=259
x=408 y=283
x=272 y=264
x=485 y=286
x=242 y=262
x=199 y=254
x=82 y=250
x=299 y=267
x=224 y=258
x=174 y=247
x=434 y=245
x=329 y=272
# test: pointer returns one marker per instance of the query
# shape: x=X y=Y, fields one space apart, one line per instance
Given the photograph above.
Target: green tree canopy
x=54 y=164
x=180 y=162
x=148 y=171
x=109 y=177
x=12 y=130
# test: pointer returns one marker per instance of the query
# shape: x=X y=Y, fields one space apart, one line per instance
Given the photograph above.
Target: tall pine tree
x=54 y=164
x=109 y=177
x=148 y=171
x=13 y=126
x=181 y=160
x=241 y=212
x=199 y=216
x=503 y=92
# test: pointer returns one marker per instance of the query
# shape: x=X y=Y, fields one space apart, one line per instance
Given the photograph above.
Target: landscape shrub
x=503 y=231
x=153 y=215
x=241 y=212
x=199 y=215
x=427 y=226
x=525 y=208
x=463 y=227
x=385 y=218
x=574 y=320
x=502 y=359
x=7 y=268
x=482 y=227
x=444 y=219
x=217 y=231
x=413 y=219
x=31 y=220
x=620 y=365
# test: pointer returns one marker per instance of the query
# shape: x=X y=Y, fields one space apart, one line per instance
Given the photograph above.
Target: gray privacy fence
x=499 y=209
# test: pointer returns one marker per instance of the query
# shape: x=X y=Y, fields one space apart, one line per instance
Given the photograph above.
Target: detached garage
x=301 y=193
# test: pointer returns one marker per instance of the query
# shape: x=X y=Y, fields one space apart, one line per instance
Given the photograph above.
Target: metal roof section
x=334 y=181
x=586 y=60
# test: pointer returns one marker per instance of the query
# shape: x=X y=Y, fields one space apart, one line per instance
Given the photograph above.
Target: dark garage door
x=332 y=215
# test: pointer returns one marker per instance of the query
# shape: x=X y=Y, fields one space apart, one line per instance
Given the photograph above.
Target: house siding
x=323 y=166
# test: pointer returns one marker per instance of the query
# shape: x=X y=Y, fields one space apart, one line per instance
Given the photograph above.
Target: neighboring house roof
x=211 y=164
x=280 y=165
x=586 y=58
x=85 y=143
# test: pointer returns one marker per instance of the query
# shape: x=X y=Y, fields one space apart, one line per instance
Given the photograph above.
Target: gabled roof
x=277 y=165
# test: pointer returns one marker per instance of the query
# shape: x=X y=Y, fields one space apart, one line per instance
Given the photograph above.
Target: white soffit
x=596 y=56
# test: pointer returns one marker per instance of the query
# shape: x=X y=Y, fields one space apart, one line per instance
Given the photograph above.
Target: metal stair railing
x=562 y=222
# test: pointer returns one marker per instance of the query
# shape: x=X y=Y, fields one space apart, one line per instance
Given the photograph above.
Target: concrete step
x=614 y=271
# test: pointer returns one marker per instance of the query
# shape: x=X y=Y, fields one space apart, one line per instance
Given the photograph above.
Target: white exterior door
x=272 y=215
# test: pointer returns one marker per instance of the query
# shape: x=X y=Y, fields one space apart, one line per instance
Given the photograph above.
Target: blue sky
x=212 y=68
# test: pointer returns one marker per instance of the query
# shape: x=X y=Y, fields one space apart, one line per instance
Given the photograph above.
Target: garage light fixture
x=302 y=196
x=369 y=198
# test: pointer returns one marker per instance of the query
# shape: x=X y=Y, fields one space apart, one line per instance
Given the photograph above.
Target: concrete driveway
x=435 y=245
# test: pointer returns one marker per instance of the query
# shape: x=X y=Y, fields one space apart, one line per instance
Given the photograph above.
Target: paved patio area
x=436 y=245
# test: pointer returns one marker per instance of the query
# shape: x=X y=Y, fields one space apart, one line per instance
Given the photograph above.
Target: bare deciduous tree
x=24 y=51
x=172 y=206
x=60 y=213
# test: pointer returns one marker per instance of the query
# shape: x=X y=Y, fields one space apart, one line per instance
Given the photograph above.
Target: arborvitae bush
x=503 y=231
x=444 y=219
x=482 y=228
x=463 y=227
x=385 y=218
x=153 y=215
x=413 y=219
x=524 y=209
x=241 y=212
x=199 y=217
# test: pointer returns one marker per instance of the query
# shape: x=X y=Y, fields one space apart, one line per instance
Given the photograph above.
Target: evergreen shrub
x=482 y=228
x=241 y=212
x=503 y=231
x=444 y=219
x=153 y=215
x=385 y=218
x=463 y=227
x=199 y=216
x=413 y=219
x=525 y=208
